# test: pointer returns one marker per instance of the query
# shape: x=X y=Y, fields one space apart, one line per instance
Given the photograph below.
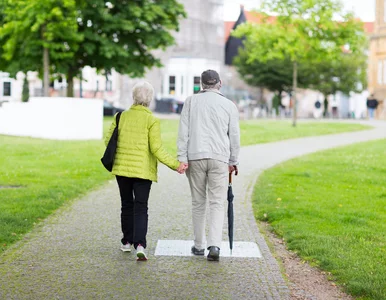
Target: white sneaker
x=126 y=248
x=141 y=253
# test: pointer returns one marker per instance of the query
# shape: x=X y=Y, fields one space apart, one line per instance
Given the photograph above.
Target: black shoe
x=214 y=253
x=196 y=251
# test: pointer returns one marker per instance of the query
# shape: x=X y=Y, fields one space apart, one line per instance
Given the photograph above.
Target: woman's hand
x=182 y=167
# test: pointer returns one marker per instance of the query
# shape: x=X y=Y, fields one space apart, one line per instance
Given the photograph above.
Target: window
x=172 y=85
x=6 y=88
x=196 y=84
x=380 y=72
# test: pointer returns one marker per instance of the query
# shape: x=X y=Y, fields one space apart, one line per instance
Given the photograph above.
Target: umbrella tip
x=231 y=251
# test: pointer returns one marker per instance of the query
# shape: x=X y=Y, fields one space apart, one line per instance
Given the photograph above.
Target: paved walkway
x=75 y=253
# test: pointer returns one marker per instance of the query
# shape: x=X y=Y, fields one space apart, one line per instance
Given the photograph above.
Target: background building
x=199 y=46
x=377 y=65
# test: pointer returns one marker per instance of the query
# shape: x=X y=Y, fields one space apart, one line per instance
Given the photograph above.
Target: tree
x=348 y=73
x=25 y=92
x=304 y=31
x=122 y=35
x=72 y=34
x=274 y=75
x=34 y=32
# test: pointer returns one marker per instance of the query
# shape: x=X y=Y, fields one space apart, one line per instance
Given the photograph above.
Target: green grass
x=330 y=207
x=256 y=132
x=52 y=173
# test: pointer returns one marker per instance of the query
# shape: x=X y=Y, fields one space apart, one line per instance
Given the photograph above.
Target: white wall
x=16 y=87
x=358 y=104
x=54 y=118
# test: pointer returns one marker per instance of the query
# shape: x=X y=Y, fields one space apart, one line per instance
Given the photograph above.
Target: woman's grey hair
x=143 y=93
x=216 y=86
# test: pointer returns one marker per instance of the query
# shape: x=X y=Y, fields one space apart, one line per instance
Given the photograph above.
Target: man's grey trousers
x=208 y=179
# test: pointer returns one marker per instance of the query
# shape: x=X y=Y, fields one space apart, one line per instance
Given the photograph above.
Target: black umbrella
x=230 y=210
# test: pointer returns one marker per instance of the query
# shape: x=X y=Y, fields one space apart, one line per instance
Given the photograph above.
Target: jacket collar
x=212 y=90
x=141 y=108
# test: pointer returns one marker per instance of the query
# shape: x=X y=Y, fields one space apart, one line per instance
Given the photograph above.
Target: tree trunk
x=294 y=87
x=46 y=72
x=325 y=106
x=70 y=83
x=81 y=84
x=25 y=91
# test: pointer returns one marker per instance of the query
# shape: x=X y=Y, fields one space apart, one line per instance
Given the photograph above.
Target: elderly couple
x=208 y=148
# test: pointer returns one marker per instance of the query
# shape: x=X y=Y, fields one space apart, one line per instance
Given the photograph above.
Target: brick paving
x=74 y=254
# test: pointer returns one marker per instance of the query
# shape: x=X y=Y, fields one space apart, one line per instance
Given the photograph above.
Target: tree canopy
x=275 y=75
x=116 y=34
x=31 y=27
x=305 y=32
x=347 y=73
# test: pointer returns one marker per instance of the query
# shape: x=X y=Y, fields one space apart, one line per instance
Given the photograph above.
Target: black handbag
x=111 y=149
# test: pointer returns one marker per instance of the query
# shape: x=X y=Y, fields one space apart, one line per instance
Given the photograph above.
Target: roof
x=369 y=27
x=251 y=16
x=228 y=28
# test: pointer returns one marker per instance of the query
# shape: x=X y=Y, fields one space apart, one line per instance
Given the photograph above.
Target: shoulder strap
x=117 y=118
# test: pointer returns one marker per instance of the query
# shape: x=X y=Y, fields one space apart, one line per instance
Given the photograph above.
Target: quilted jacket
x=139 y=145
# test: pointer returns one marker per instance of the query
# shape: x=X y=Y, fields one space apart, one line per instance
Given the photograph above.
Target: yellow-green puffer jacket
x=139 y=145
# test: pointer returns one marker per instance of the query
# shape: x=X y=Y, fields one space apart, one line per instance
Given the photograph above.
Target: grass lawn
x=330 y=207
x=51 y=173
x=258 y=132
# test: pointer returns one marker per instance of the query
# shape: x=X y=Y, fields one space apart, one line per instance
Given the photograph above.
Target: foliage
x=346 y=74
x=122 y=36
x=304 y=31
x=25 y=92
x=332 y=214
x=275 y=74
x=29 y=26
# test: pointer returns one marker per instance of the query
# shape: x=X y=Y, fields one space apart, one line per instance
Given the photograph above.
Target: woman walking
x=135 y=166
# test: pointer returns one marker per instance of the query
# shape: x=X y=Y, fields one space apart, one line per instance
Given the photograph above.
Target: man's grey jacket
x=209 y=128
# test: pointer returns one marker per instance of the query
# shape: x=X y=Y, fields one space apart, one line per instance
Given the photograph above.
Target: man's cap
x=210 y=77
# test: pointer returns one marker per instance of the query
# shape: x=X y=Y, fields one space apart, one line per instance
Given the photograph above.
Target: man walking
x=209 y=143
x=372 y=105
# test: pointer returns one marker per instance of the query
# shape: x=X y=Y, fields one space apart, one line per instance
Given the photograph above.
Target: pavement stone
x=74 y=254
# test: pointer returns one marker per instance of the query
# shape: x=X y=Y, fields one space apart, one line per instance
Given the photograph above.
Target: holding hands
x=183 y=166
